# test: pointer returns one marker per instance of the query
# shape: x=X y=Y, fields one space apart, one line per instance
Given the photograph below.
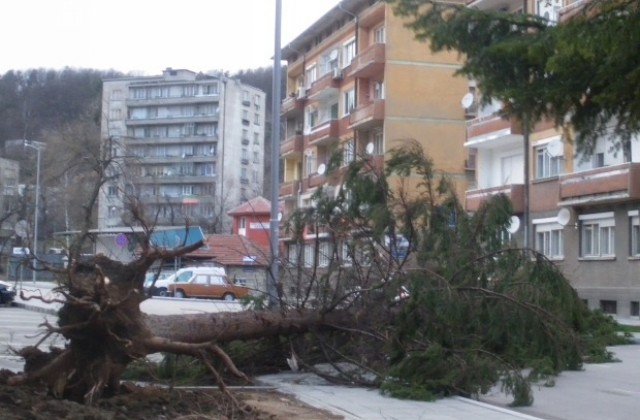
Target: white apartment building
x=188 y=146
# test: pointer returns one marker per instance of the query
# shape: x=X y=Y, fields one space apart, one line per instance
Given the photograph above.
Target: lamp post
x=38 y=146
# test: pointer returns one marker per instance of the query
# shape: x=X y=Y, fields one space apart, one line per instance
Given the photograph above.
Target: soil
x=155 y=403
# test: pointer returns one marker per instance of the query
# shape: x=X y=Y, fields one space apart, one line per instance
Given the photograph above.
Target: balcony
x=368 y=115
x=609 y=184
x=325 y=133
x=292 y=145
x=515 y=192
x=316 y=180
x=292 y=105
x=492 y=131
x=289 y=190
x=369 y=62
x=324 y=87
x=172 y=119
x=170 y=100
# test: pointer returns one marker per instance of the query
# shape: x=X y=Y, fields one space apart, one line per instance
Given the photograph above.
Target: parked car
x=7 y=294
x=205 y=282
x=161 y=285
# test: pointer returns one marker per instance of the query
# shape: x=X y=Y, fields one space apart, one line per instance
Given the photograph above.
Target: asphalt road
x=20 y=328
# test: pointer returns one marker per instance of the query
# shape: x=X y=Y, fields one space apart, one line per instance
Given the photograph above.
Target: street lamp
x=38 y=146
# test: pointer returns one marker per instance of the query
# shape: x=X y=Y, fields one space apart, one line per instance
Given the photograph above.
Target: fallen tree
x=453 y=311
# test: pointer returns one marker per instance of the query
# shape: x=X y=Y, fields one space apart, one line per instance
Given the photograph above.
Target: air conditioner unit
x=302 y=93
x=337 y=74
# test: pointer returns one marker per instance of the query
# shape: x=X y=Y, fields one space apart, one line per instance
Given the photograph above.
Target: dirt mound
x=153 y=403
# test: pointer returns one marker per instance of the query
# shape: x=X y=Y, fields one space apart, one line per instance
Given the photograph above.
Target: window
x=346 y=253
x=312 y=117
x=187 y=190
x=256 y=176
x=308 y=255
x=378 y=144
x=609 y=306
x=256 y=138
x=349 y=101
x=243 y=223
x=634 y=224
x=256 y=119
x=597 y=235
x=311 y=76
x=201 y=279
x=112 y=191
x=310 y=164
x=549 y=239
x=245 y=97
x=211 y=89
x=635 y=308
x=324 y=254
x=379 y=36
x=292 y=253
x=113 y=211
x=348 y=52
x=348 y=152
x=256 y=156
x=330 y=60
x=547 y=165
x=598 y=160
x=378 y=90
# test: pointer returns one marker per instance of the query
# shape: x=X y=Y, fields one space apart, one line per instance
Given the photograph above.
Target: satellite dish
x=564 y=216
x=467 y=100
x=333 y=55
x=555 y=148
x=322 y=168
x=369 y=148
x=20 y=228
x=279 y=216
x=514 y=224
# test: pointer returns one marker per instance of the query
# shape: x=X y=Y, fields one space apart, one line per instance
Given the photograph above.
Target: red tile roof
x=258 y=205
x=233 y=250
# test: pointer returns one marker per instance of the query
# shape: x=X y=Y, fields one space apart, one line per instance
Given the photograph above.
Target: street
x=20 y=328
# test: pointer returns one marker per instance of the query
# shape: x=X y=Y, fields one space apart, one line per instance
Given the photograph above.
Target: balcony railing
x=369 y=62
x=293 y=104
x=325 y=133
x=289 y=189
x=491 y=130
x=617 y=183
x=292 y=145
x=515 y=192
x=325 y=85
x=368 y=115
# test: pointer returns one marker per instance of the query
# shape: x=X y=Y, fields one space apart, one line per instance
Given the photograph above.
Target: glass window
x=549 y=239
x=597 y=236
x=379 y=35
x=348 y=52
x=348 y=152
x=635 y=236
x=547 y=165
x=311 y=76
x=349 y=101
x=324 y=254
x=378 y=90
x=308 y=255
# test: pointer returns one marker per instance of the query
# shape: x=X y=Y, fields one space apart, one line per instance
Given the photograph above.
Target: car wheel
x=162 y=291
x=229 y=297
x=180 y=294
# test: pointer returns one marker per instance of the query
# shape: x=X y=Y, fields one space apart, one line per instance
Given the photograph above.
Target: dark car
x=6 y=293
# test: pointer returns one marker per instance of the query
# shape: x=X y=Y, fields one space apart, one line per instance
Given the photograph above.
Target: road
x=20 y=328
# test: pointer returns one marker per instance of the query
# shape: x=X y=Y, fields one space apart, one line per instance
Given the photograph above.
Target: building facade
x=358 y=82
x=188 y=146
x=583 y=208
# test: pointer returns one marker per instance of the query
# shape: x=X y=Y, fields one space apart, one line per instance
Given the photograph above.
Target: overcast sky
x=146 y=36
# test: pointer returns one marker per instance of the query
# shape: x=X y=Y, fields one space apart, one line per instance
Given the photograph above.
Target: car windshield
x=184 y=277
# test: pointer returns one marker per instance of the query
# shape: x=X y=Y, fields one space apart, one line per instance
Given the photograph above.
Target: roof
x=257 y=205
x=235 y=250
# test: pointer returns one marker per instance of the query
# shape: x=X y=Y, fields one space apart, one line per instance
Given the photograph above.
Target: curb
x=498 y=409
x=35 y=308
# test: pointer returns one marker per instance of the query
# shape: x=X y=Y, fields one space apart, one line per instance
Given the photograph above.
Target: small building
x=251 y=219
x=246 y=261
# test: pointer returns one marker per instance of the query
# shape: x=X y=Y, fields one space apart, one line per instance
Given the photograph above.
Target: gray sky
x=146 y=36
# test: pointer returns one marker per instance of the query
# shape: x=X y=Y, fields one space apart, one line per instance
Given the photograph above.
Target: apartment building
x=188 y=145
x=358 y=82
x=583 y=209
